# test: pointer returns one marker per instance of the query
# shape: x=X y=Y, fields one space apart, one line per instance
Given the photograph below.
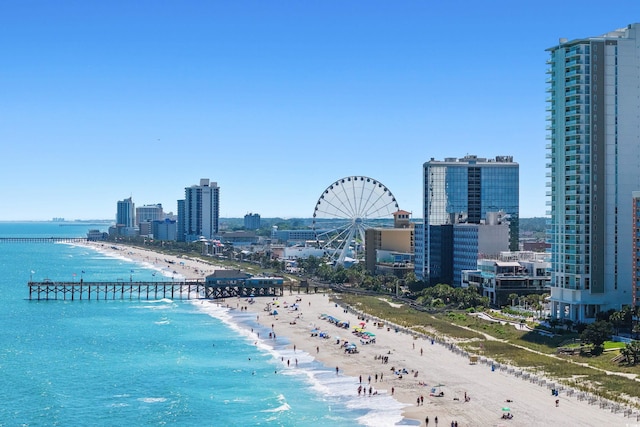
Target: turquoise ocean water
x=161 y=362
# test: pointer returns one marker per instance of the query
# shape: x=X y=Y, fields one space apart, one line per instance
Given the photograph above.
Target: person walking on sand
x=426 y=421
x=436 y=420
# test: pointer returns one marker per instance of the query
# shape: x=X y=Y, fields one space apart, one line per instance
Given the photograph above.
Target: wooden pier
x=42 y=239
x=121 y=290
x=50 y=290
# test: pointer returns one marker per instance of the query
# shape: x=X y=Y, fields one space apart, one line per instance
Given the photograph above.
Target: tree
x=631 y=352
x=513 y=297
x=412 y=282
x=596 y=334
x=617 y=319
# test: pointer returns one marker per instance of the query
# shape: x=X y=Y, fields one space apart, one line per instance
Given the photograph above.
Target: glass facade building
x=593 y=165
x=125 y=215
x=459 y=191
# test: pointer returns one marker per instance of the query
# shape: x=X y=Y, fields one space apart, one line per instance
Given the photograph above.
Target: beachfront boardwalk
x=189 y=289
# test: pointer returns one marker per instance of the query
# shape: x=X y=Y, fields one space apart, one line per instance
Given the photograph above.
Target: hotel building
x=462 y=191
x=201 y=210
x=594 y=167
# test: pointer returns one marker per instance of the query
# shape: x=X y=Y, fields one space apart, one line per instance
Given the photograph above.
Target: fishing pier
x=50 y=290
x=210 y=288
x=42 y=239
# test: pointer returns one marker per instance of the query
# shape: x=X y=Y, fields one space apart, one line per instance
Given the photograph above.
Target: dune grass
x=530 y=351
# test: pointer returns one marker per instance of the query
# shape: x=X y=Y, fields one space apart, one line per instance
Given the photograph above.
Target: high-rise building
x=635 y=282
x=164 y=229
x=252 y=221
x=149 y=213
x=462 y=191
x=201 y=210
x=180 y=235
x=593 y=169
x=125 y=216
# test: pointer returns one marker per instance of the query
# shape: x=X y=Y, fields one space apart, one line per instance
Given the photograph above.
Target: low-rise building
x=520 y=273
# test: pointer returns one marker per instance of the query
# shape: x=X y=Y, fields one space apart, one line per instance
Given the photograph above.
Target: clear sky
x=273 y=100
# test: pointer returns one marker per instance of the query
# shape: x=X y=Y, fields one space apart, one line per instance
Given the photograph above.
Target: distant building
x=295 y=252
x=125 y=219
x=148 y=213
x=535 y=245
x=125 y=215
x=238 y=238
x=165 y=229
x=180 y=230
x=145 y=229
x=201 y=210
x=252 y=221
x=293 y=236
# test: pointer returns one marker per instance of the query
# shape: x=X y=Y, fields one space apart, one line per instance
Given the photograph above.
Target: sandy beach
x=414 y=370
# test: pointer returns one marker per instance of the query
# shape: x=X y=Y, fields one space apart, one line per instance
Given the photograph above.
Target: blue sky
x=273 y=100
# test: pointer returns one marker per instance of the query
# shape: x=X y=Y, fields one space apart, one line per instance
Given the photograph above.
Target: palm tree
x=617 y=318
x=513 y=297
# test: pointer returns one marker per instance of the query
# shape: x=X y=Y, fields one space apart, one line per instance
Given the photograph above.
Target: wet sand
x=428 y=366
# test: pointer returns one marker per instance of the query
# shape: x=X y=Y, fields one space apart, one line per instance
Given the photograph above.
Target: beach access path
x=428 y=365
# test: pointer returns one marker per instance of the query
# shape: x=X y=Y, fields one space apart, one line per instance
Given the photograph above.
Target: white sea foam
x=152 y=399
x=379 y=410
x=281 y=408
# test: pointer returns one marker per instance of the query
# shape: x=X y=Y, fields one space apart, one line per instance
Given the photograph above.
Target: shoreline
x=427 y=364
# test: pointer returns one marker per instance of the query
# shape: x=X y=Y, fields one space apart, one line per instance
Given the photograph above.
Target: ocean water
x=159 y=362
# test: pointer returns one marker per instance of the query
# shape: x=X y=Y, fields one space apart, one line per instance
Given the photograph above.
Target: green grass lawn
x=527 y=350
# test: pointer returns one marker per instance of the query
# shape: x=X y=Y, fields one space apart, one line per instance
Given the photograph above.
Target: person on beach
x=337 y=370
x=426 y=421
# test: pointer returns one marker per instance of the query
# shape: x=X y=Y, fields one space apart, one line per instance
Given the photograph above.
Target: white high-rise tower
x=202 y=210
x=594 y=166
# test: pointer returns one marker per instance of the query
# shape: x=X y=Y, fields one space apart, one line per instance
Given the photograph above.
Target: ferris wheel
x=345 y=210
